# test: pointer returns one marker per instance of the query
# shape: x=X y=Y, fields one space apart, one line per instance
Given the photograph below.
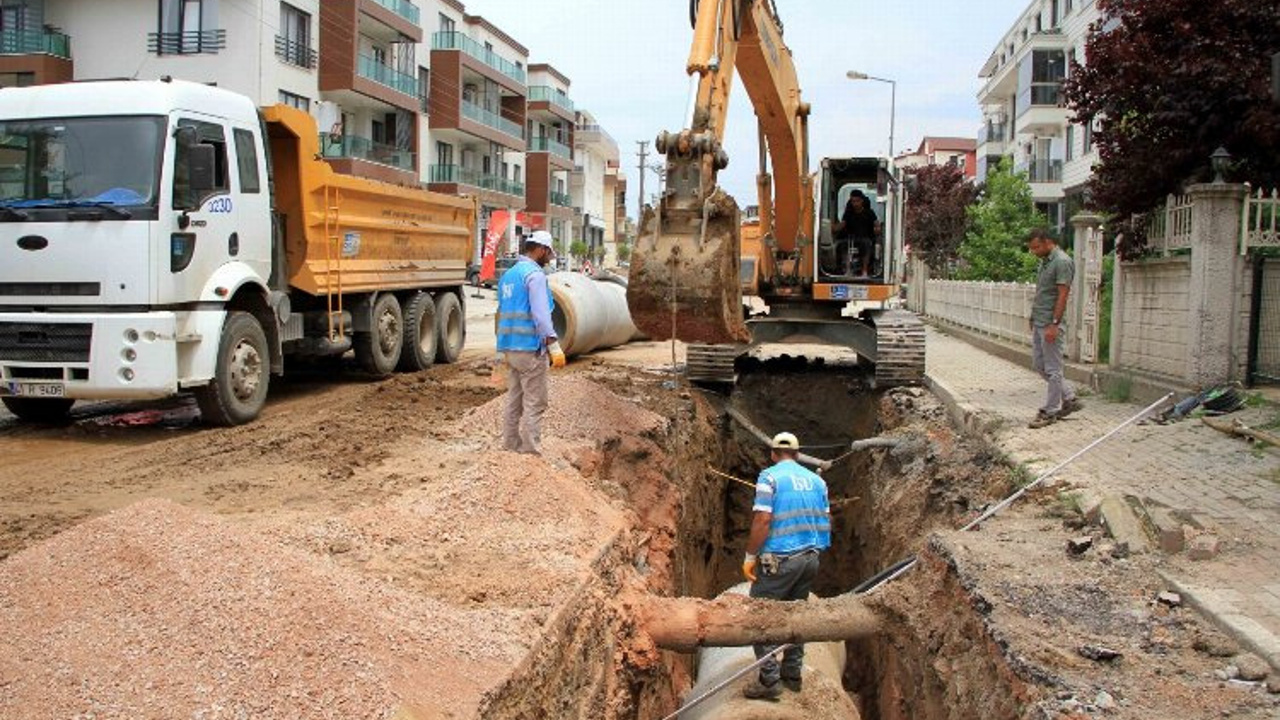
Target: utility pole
x=644 y=155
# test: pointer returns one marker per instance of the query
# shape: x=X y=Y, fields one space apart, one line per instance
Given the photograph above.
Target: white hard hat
x=543 y=238
x=785 y=441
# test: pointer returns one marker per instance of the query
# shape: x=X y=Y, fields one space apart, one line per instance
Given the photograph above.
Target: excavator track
x=712 y=364
x=900 y=351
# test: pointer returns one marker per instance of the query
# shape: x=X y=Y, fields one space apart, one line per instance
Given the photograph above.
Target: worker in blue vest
x=527 y=342
x=790 y=525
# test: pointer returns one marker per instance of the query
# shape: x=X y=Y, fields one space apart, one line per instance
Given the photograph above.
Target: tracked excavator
x=694 y=261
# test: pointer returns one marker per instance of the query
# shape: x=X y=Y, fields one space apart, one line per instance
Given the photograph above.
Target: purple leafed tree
x=936 y=214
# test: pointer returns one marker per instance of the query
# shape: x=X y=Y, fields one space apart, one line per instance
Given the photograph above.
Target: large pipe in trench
x=823 y=695
x=590 y=314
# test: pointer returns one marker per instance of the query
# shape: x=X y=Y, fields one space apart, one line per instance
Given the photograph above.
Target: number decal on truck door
x=221 y=205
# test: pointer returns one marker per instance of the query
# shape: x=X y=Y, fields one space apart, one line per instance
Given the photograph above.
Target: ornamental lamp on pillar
x=1220 y=160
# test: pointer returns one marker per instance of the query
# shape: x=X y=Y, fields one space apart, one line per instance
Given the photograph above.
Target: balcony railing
x=458 y=175
x=993 y=133
x=35 y=42
x=187 y=43
x=296 y=53
x=546 y=93
x=474 y=112
x=561 y=199
x=1040 y=95
x=459 y=41
x=546 y=144
x=360 y=148
x=386 y=75
x=404 y=9
x=1044 y=171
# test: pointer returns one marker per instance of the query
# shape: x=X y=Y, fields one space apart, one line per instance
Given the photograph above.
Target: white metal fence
x=1260 y=222
x=1170 y=228
x=1002 y=310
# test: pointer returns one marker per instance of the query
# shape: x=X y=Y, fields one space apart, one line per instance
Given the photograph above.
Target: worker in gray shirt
x=1048 y=334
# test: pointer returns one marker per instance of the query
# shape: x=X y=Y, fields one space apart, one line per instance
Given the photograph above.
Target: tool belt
x=770 y=563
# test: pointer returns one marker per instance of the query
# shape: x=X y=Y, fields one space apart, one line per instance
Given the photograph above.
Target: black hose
x=693 y=14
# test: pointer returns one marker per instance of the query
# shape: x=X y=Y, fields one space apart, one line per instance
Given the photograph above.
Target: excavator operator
x=858 y=228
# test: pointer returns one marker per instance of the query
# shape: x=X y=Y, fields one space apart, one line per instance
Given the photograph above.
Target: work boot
x=1070 y=406
x=757 y=690
x=794 y=684
x=1043 y=419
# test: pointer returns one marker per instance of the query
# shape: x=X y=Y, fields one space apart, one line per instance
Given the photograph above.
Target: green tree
x=624 y=251
x=578 y=249
x=995 y=247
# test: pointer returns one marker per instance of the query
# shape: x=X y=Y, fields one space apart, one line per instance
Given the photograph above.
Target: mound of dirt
x=579 y=410
x=160 y=611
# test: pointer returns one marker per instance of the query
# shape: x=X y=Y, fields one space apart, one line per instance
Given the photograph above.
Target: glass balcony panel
x=404 y=9
x=545 y=93
x=476 y=113
x=360 y=148
x=369 y=68
x=460 y=41
x=35 y=42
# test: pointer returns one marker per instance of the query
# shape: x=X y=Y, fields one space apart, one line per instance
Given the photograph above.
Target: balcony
x=199 y=42
x=459 y=41
x=488 y=118
x=1043 y=171
x=404 y=9
x=296 y=53
x=546 y=144
x=458 y=175
x=360 y=148
x=561 y=199
x=993 y=133
x=545 y=93
x=35 y=42
x=384 y=75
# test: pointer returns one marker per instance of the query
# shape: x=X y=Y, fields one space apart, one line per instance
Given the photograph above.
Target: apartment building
x=550 y=126
x=1024 y=117
x=595 y=158
x=961 y=152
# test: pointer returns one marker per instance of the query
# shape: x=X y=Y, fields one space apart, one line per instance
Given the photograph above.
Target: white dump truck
x=161 y=237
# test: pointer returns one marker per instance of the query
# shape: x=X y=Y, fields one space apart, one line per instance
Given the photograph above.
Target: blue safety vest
x=517 y=331
x=797 y=499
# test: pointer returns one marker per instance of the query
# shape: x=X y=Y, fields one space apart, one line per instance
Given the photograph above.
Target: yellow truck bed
x=346 y=234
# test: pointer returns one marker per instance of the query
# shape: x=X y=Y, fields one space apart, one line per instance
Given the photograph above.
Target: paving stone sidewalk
x=1231 y=488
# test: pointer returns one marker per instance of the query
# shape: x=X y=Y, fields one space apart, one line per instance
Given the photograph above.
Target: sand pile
x=580 y=410
x=156 y=611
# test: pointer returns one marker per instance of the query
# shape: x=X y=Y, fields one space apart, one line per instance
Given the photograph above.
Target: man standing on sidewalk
x=526 y=337
x=1048 y=334
x=790 y=525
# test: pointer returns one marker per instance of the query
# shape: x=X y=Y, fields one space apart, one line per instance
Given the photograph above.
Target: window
x=187 y=27
x=1054 y=17
x=505 y=171
x=1088 y=138
x=379 y=134
x=1071 y=142
x=17 y=79
x=446 y=23
x=517 y=174
x=1066 y=8
x=379 y=54
x=444 y=153
x=295 y=101
x=14 y=16
x=209 y=134
x=424 y=89
x=294 y=42
x=247 y=162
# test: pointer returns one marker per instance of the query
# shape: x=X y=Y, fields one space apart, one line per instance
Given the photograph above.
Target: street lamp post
x=893 y=101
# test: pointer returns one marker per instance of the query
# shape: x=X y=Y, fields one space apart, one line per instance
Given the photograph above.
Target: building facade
x=960 y=152
x=595 y=160
x=1024 y=116
x=413 y=92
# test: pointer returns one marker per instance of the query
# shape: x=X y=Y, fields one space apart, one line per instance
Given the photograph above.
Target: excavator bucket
x=684 y=280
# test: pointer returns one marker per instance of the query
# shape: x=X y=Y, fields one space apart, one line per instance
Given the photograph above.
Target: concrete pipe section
x=590 y=314
x=823 y=696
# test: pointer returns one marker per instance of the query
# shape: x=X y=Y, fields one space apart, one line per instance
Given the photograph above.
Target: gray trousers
x=526 y=402
x=793 y=581
x=1046 y=357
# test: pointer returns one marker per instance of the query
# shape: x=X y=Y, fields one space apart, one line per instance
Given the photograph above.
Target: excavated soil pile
x=580 y=412
x=159 y=611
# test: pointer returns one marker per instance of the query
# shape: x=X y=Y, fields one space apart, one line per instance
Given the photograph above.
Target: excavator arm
x=685 y=273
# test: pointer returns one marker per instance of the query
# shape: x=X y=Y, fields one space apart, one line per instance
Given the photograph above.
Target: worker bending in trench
x=790 y=525
x=526 y=337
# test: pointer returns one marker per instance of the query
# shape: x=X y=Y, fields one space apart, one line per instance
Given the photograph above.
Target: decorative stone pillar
x=1086 y=289
x=1214 y=302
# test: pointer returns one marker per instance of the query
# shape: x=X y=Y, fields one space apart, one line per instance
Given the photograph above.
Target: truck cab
x=131 y=216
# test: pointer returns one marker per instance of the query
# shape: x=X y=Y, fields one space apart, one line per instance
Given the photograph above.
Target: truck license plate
x=33 y=389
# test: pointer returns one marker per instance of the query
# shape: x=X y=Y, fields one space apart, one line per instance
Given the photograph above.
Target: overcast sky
x=626 y=59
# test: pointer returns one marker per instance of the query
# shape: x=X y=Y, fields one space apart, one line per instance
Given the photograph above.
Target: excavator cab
x=872 y=239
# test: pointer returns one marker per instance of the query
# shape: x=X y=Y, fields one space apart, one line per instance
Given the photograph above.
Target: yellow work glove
x=557 y=355
x=749 y=567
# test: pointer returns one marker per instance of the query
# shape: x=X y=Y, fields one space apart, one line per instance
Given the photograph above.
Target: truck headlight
x=182 y=247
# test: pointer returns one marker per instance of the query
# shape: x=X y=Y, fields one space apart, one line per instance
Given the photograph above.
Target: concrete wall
x=1154 y=317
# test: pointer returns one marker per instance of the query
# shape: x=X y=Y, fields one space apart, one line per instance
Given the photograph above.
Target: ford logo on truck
x=33 y=242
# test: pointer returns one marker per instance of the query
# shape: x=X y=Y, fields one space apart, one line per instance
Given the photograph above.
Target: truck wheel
x=419 y=346
x=239 y=387
x=451 y=328
x=378 y=351
x=39 y=410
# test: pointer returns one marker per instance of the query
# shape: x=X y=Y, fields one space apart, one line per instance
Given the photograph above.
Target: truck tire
x=46 y=411
x=451 y=328
x=238 y=390
x=419 y=347
x=379 y=350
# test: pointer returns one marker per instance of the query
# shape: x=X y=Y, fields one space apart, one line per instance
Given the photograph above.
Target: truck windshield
x=106 y=162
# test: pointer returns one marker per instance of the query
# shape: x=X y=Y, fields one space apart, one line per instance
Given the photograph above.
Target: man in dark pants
x=859 y=225
x=790 y=525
